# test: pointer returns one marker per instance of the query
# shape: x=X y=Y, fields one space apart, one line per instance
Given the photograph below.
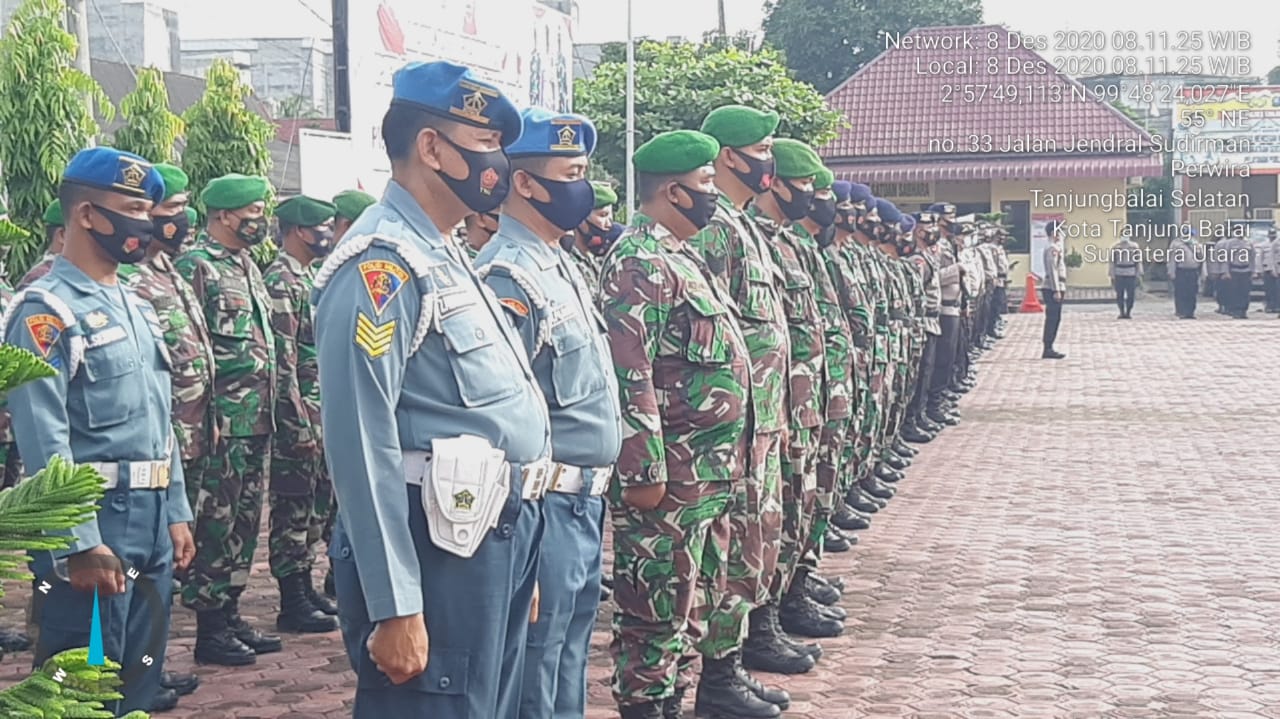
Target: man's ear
x=427 y=145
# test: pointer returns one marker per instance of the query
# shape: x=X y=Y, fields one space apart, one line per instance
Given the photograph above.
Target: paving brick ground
x=1096 y=539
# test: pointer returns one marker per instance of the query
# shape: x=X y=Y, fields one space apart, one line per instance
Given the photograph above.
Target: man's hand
x=184 y=547
x=533 y=607
x=644 y=498
x=1057 y=296
x=399 y=646
x=96 y=568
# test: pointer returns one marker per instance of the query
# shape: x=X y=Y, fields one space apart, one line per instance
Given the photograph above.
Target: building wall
x=277 y=68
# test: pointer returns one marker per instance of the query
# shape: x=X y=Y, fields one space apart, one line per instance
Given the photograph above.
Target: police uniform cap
x=676 y=153
x=605 y=196
x=926 y=218
x=544 y=133
x=175 y=180
x=453 y=92
x=907 y=223
x=350 y=203
x=824 y=179
x=943 y=208
x=841 y=189
x=303 y=211
x=889 y=214
x=233 y=191
x=859 y=192
x=53 y=214
x=795 y=159
x=739 y=125
x=112 y=170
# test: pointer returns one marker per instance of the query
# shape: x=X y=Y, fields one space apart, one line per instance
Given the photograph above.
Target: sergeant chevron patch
x=374 y=339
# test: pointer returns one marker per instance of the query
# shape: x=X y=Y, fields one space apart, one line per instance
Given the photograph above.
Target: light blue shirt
x=469 y=375
x=546 y=298
x=116 y=407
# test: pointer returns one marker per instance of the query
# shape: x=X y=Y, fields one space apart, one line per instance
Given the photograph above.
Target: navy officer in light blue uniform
x=548 y=301
x=443 y=446
x=108 y=406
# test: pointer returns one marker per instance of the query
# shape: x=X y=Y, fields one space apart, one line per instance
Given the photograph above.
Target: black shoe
x=836 y=613
x=802 y=616
x=860 y=502
x=877 y=490
x=164 y=700
x=894 y=461
x=949 y=396
x=835 y=542
x=651 y=710
x=258 y=641
x=915 y=435
x=318 y=600
x=813 y=651
x=13 y=640
x=605 y=593
x=821 y=592
x=721 y=693
x=846 y=519
x=904 y=449
x=766 y=648
x=949 y=420
x=776 y=697
x=1052 y=354
x=297 y=613
x=672 y=706
x=183 y=684
x=929 y=426
x=330 y=588
x=217 y=643
x=884 y=474
x=837 y=582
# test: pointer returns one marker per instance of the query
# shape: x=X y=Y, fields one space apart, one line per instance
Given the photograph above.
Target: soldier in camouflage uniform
x=348 y=205
x=476 y=232
x=901 y=309
x=53 y=234
x=774 y=212
x=738 y=255
x=300 y=492
x=228 y=511
x=591 y=240
x=684 y=384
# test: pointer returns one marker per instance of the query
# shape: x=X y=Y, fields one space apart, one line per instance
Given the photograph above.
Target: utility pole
x=631 y=112
x=78 y=18
x=724 y=27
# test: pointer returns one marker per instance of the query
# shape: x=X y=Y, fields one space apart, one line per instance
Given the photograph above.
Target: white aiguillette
x=467 y=485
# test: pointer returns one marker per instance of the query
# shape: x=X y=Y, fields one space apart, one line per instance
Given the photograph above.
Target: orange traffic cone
x=1030 y=300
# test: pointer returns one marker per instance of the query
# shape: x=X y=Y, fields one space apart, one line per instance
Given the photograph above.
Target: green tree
x=223 y=134
x=677 y=84
x=298 y=107
x=826 y=41
x=44 y=117
x=150 y=129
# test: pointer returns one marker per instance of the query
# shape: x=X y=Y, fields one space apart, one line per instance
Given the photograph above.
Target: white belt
x=569 y=480
x=147 y=474
x=533 y=476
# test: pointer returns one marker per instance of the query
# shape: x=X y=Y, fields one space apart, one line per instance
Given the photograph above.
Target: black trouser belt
x=951 y=303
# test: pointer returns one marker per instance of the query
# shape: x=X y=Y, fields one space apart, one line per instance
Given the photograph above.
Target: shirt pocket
x=481 y=362
x=234 y=316
x=573 y=373
x=758 y=299
x=708 y=339
x=107 y=401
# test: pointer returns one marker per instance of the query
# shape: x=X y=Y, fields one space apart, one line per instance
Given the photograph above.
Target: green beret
x=795 y=159
x=825 y=179
x=53 y=214
x=303 y=211
x=676 y=153
x=175 y=180
x=605 y=196
x=231 y=192
x=193 y=217
x=739 y=126
x=350 y=203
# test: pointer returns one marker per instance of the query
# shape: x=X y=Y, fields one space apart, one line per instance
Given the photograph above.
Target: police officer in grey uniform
x=549 y=302
x=1239 y=256
x=1184 y=265
x=444 y=432
x=108 y=407
x=1125 y=268
x=1055 y=288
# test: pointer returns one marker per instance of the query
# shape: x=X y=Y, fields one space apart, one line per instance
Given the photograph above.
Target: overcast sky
x=604 y=20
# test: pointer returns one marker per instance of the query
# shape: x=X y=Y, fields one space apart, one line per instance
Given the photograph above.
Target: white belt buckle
x=600 y=480
x=533 y=480
x=139 y=475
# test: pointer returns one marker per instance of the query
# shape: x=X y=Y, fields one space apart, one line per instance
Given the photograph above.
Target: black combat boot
x=649 y=710
x=873 y=487
x=819 y=591
x=216 y=642
x=894 y=461
x=776 y=697
x=848 y=520
x=257 y=640
x=834 y=541
x=164 y=700
x=914 y=434
x=836 y=582
x=672 y=706
x=318 y=600
x=813 y=651
x=858 y=501
x=330 y=586
x=802 y=616
x=927 y=425
x=181 y=683
x=297 y=613
x=941 y=416
x=605 y=592
x=950 y=396
x=722 y=694
x=765 y=651
x=888 y=474
x=904 y=449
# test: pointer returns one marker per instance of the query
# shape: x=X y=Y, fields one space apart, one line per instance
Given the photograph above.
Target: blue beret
x=106 y=168
x=907 y=223
x=451 y=91
x=889 y=214
x=841 y=189
x=859 y=192
x=552 y=134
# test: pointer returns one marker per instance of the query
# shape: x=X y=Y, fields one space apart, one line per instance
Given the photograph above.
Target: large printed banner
x=521 y=46
x=1227 y=130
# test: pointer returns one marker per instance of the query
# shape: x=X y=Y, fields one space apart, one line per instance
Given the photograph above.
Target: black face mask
x=598 y=240
x=846 y=220
x=321 y=240
x=826 y=236
x=170 y=231
x=798 y=206
x=129 y=238
x=759 y=175
x=571 y=202
x=252 y=230
x=823 y=212
x=704 y=206
x=488 y=178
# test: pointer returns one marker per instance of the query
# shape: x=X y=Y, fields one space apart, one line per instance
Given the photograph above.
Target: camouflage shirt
x=589 y=265
x=736 y=254
x=6 y=422
x=190 y=348
x=289 y=284
x=868 y=262
x=38 y=270
x=803 y=318
x=684 y=376
x=838 y=396
x=237 y=309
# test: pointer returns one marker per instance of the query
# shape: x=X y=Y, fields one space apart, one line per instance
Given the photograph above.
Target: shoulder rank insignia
x=45 y=331
x=96 y=320
x=515 y=306
x=383 y=280
x=374 y=339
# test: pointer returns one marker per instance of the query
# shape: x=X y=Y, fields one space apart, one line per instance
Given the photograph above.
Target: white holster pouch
x=466 y=486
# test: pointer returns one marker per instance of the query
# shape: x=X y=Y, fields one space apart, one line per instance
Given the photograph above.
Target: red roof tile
x=895 y=107
x=1005 y=167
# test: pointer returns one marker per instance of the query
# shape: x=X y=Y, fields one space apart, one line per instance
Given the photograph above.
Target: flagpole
x=631 y=114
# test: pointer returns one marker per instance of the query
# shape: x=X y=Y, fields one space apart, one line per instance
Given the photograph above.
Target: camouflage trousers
x=10 y=465
x=228 y=514
x=669 y=570
x=799 y=490
x=295 y=526
x=832 y=440
x=755 y=520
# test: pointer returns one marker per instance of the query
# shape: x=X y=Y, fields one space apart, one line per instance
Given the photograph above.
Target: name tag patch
x=374 y=339
x=451 y=303
x=45 y=331
x=105 y=337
